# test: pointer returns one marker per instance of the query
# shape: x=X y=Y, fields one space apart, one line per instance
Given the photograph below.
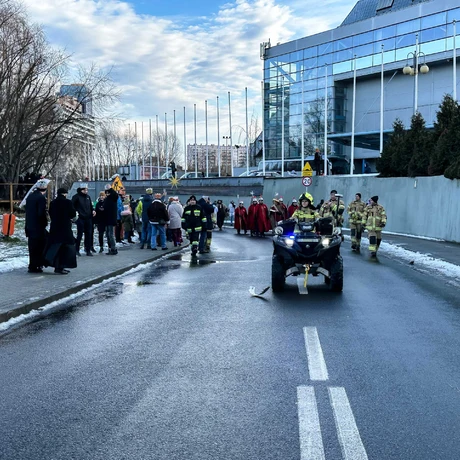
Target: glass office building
x=309 y=77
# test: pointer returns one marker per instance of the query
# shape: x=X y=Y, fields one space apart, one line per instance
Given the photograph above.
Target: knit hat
x=333 y=191
x=375 y=198
x=359 y=194
x=294 y=200
x=261 y=198
x=62 y=191
x=193 y=197
x=149 y=191
x=281 y=199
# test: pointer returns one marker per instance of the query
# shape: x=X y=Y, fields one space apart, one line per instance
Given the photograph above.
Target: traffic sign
x=307 y=181
x=307 y=170
x=117 y=184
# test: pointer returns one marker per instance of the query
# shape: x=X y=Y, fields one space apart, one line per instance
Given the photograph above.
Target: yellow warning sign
x=307 y=171
x=117 y=184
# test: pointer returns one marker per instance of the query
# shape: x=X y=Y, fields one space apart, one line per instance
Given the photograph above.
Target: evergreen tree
x=402 y=154
x=453 y=171
x=446 y=136
x=386 y=164
x=420 y=145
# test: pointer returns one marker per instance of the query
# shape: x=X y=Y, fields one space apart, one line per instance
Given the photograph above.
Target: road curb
x=35 y=305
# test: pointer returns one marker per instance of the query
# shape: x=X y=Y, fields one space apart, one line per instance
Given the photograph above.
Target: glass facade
x=298 y=80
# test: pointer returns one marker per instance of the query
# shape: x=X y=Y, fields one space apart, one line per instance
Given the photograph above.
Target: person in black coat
x=158 y=218
x=99 y=220
x=110 y=217
x=35 y=228
x=60 y=249
x=84 y=206
x=206 y=232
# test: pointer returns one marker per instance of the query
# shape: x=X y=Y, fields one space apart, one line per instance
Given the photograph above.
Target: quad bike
x=309 y=248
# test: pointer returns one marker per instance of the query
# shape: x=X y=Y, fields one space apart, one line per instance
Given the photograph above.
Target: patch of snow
x=420 y=261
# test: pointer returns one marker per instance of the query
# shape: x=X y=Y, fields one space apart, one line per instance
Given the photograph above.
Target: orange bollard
x=8 y=224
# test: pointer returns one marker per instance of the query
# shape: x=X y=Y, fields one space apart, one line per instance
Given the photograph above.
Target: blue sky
x=165 y=55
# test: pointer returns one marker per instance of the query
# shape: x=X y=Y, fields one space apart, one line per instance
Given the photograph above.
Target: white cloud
x=166 y=64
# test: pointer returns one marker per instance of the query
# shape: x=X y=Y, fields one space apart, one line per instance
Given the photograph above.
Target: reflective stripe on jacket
x=355 y=211
x=374 y=217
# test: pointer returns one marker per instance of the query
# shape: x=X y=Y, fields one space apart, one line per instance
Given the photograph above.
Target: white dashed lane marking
x=316 y=363
x=349 y=438
x=311 y=441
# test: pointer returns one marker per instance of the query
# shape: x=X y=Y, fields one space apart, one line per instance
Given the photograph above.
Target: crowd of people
x=116 y=217
x=258 y=219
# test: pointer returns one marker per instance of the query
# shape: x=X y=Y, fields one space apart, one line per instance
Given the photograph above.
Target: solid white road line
x=302 y=290
x=311 y=441
x=316 y=364
x=349 y=438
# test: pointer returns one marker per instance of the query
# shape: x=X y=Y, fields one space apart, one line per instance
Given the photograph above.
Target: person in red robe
x=241 y=219
x=253 y=223
x=276 y=213
x=263 y=218
x=283 y=208
x=293 y=207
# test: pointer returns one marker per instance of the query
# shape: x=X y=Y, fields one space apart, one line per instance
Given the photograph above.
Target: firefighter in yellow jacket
x=355 y=212
x=306 y=212
x=329 y=209
x=374 y=219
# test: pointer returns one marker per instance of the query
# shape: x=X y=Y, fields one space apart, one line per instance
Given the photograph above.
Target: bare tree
x=35 y=126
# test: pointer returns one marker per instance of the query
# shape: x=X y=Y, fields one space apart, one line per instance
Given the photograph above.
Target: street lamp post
x=415 y=70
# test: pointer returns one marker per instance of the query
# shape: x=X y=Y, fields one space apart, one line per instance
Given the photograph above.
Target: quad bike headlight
x=289 y=242
x=325 y=242
x=278 y=230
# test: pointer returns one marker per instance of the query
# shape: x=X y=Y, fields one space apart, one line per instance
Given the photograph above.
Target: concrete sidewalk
x=23 y=292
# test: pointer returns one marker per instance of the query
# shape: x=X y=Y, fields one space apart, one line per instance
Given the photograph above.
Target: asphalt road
x=178 y=361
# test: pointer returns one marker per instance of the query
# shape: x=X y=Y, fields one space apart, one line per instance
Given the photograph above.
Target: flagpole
x=150 y=147
x=231 y=138
x=166 y=142
x=173 y=148
x=196 y=155
x=219 y=153
x=143 y=151
x=136 y=147
x=325 y=123
x=263 y=128
x=454 y=62
x=185 y=146
x=206 y=129
x=353 y=116
x=282 y=126
x=381 y=104
x=247 y=134
x=158 y=148
x=302 y=142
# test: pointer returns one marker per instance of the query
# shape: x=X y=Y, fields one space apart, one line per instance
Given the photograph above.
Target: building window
x=407 y=27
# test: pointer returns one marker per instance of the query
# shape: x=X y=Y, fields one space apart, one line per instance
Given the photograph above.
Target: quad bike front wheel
x=336 y=279
x=278 y=277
